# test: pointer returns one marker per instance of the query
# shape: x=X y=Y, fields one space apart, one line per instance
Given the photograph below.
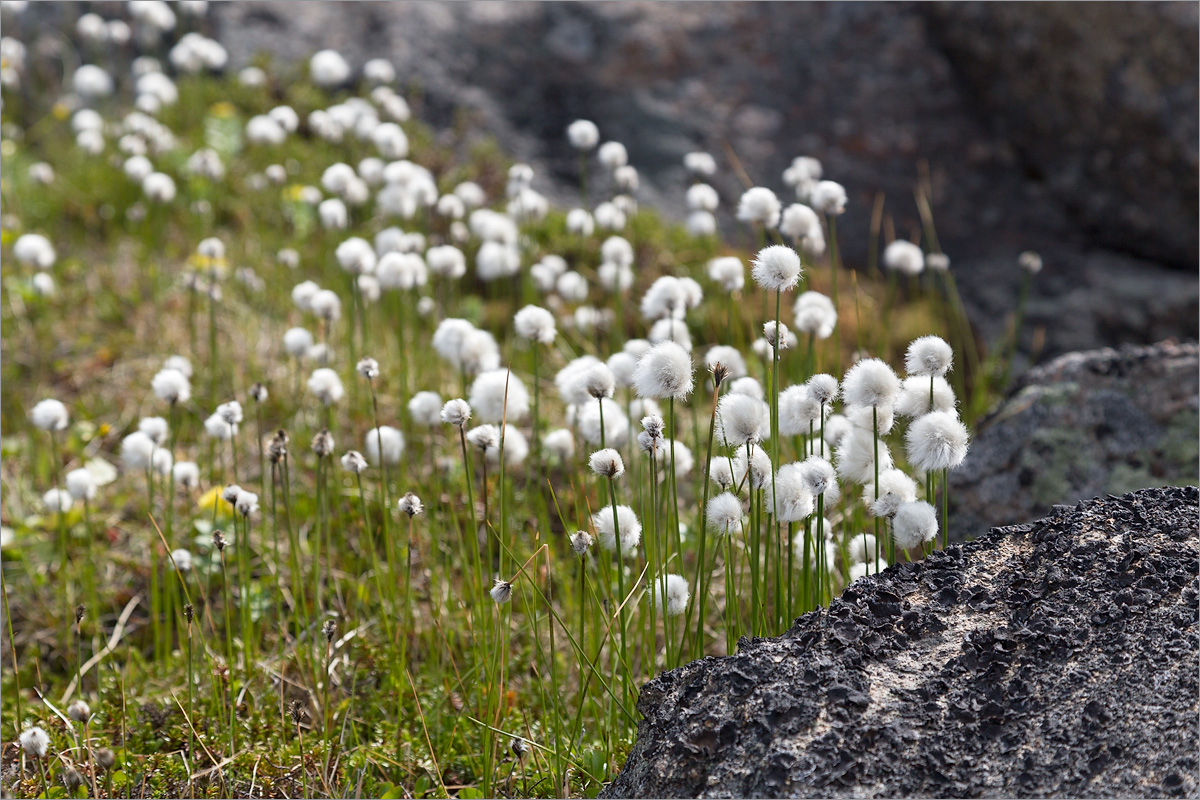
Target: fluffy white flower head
x=870 y=383
x=392 y=441
x=929 y=355
x=914 y=524
x=777 y=268
x=627 y=526
x=49 y=415
x=936 y=441
x=535 y=324
x=664 y=371
x=326 y=385
x=583 y=134
x=904 y=257
x=672 y=595
x=759 y=206
x=607 y=463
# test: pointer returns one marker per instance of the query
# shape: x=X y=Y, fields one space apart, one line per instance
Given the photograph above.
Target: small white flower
x=777 y=268
x=35 y=250
x=560 y=444
x=725 y=509
x=498 y=395
x=58 y=500
x=664 y=371
x=393 y=444
x=368 y=368
x=936 y=441
x=627 y=526
x=581 y=542
x=182 y=559
x=904 y=257
x=914 y=524
x=501 y=591
x=158 y=187
x=297 y=341
x=759 y=206
x=456 y=412
x=815 y=314
x=353 y=461
x=535 y=324
x=410 y=504
x=425 y=408
x=81 y=484
x=328 y=69
x=728 y=272
x=35 y=742
x=929 y=355
x=702 y=197
x=583 y=134
x=326 y=385
x=154 y=427
x=1030 y=261
x=49 y=415
x=607 y=463
x=870 y=383
x=700 y=164
x=246 y=503
x=672 y=595
x=829 y=198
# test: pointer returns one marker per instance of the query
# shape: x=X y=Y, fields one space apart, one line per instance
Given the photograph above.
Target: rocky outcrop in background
x=1070 y=129
x=1055 y=659
x=1085 y=424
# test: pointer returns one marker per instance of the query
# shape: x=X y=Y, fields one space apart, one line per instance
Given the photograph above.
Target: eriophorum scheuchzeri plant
x=578 y=446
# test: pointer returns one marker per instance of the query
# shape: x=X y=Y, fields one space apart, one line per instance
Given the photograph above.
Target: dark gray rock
x=1070 y=130
x=1085 y=424
x=1056 y=659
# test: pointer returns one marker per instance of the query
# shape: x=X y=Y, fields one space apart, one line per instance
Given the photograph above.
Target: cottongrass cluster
x=497 y=462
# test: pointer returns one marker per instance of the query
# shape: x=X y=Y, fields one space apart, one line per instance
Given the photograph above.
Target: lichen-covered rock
x=1085 y=424
x=1055 y=659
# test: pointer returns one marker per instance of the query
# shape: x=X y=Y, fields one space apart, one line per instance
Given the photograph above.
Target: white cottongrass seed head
x=929 y=355
x=742 y=419
x=81 y=484
x=607 y=463
x=354 y=462
x=535 y=324
x=904 y=257
x=325 y=384
x=759 y=206
x=410 y=505
x=777 y=268
x=870 y=383
x=392 y=441
x=456 y=412
x=724 y=511
x=498 y=395
x=936 y=441
x=35 y=742
x=914 y=524
x=583 y=134
x=49 y=415
x=672 y=595
x=368 y=368
x=501 y=591
x=626 y=521
x=664 y=371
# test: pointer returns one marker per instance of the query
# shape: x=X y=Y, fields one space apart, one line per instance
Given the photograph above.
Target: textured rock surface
x=1085 y=424
x=1056 y=659
x=1069 y=130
